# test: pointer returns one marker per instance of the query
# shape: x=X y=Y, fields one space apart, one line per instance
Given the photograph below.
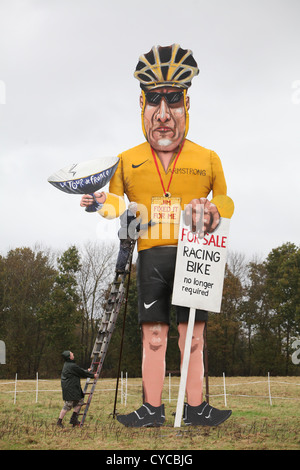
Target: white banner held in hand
x=200 y=267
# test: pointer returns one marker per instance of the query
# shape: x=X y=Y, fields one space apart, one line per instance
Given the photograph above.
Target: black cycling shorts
x=155 y=276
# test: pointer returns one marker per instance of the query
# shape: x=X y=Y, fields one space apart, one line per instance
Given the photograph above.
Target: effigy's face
x=165 y=118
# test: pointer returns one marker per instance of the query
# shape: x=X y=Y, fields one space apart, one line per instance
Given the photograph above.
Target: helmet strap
x=187 y=118
x=142 y=114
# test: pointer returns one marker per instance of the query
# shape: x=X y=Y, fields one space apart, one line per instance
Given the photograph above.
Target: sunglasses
x=171 y=98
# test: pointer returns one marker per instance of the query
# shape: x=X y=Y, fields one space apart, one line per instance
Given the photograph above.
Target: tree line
x=52 y=302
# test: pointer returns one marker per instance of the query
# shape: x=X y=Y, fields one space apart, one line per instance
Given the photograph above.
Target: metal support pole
x=122 y=338
x=206 y=364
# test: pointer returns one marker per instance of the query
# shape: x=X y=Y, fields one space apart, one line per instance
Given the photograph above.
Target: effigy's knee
x=155 y=337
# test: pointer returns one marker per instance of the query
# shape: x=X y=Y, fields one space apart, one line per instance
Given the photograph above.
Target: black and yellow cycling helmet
x=166 y=66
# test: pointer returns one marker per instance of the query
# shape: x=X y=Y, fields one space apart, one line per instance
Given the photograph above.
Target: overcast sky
x=67 y=94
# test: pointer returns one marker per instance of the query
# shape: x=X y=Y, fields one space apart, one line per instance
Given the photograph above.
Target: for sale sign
x=200 y=266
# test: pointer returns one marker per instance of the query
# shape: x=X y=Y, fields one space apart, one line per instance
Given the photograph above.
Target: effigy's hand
x=87 y=199
x=202 y=216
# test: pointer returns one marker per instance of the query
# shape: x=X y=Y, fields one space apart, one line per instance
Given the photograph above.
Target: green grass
x=254 y=424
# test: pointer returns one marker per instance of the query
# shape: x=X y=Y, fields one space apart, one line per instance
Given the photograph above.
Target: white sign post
x=198 y=283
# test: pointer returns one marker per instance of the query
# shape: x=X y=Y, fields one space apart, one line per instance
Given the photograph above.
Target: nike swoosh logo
x=136 y=166
x=201 y=412
x=150 y=413
x=149 y=305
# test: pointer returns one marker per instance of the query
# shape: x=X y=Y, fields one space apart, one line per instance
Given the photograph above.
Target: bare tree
x=236 y=263
x=96 y=273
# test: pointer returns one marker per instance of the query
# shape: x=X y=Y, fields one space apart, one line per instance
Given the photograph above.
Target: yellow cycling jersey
x=141 y=176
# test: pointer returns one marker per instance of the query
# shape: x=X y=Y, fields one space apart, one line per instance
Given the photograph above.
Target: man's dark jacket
x=70 y=379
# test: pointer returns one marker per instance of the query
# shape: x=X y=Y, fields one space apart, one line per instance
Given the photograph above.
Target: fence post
x=169 y=387
x=37 y=387
x=15 y=397
x=121 y=387
x=225 y=398
x=269 y=386
x=126 y=388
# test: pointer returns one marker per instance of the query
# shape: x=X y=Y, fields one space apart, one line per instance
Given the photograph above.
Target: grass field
x=255 y=424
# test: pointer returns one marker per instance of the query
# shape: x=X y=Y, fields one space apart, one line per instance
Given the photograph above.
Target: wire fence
x=128 y=389
x=36 y=390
